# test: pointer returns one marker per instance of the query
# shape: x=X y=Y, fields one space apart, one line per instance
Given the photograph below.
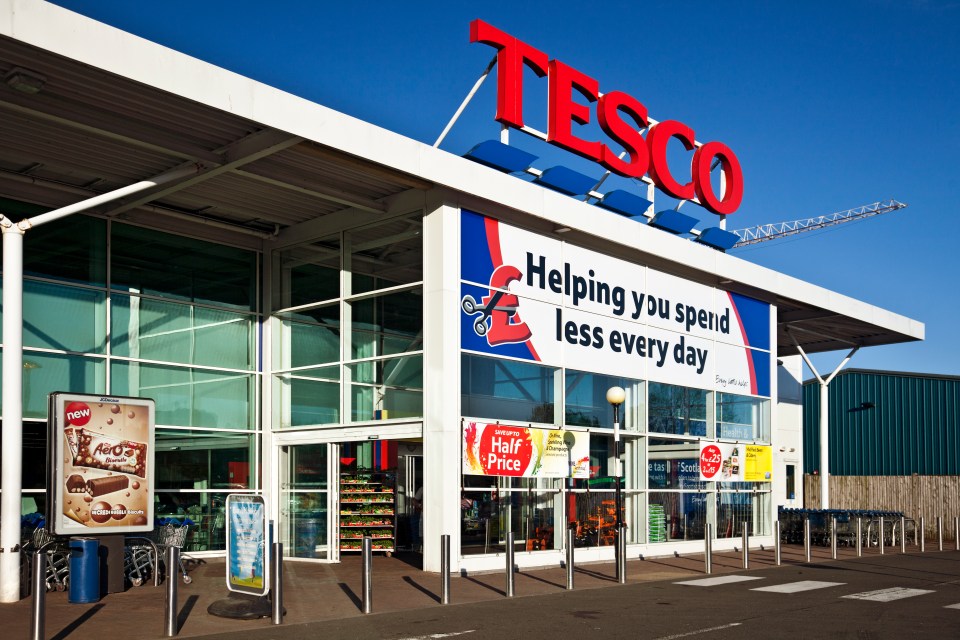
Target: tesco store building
x=385 y=339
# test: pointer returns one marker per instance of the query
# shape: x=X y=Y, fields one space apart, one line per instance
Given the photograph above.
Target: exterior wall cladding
x=885 y=423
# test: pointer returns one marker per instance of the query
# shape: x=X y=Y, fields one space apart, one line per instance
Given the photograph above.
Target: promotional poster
x=527 y=452
x=725 y=462
x=102 y=453
x=247 y=554
x=528 y=296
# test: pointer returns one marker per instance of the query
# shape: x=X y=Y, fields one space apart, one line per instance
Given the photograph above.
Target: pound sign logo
x=500 y=308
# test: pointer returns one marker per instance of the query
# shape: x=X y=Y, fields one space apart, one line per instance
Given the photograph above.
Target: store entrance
x=380 y=484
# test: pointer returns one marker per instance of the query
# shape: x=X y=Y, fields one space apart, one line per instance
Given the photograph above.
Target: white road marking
x=888 y=595
x=952 y=606
x=699 y=631
x=712 y=582
x=439 y=635
x=796 y=587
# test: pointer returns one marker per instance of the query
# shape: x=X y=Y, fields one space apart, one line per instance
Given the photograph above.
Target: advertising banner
x=102 y=464
x=248 y=559
x=528 y=296
x=527 y=452
x=725 y=462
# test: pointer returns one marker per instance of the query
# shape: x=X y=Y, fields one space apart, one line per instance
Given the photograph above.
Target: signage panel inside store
x=620 y=116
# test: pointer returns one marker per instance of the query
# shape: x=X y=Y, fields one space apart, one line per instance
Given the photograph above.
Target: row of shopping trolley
x=143 y=556
x=875 y=527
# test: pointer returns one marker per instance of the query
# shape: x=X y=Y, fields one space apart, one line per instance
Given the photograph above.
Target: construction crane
x=766 y=232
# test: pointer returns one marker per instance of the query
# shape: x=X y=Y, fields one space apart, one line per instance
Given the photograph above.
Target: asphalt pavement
x=908 y=595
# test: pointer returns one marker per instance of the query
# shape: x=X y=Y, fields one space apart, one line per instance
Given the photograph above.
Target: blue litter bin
x=84 y=570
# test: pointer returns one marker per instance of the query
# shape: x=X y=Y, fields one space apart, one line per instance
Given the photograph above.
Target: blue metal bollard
x=84 y=570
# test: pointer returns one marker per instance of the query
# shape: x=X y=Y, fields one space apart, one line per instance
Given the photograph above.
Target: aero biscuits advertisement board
x=102 y=453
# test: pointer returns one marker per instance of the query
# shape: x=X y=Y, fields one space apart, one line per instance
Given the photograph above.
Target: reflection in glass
x=198 y=459
x=742 y=417
x=187 y=334
x=193 y=270
x=63 y=318
x=311 y=337
x=507 y=389
x=678 y=410
x=188 y=397
x=487 y=515
x=394 y=386
x=44 y=373
x=309 y=397
x=387 y=324
x=587 y=406
x=304 y=501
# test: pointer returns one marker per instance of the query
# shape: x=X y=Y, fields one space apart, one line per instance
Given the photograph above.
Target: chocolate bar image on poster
x=109 y=484
x=98 y=451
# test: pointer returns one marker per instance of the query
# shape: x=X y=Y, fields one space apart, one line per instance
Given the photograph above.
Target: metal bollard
x=745 y=536
x=859 y=537
x=571 y=537
x=903 y=534
x=880 y=535
x=510 y=580
x=172 y=561
x=366 y=549
x=776 y=543
x=833 y=537
x=39 y=587
x=621 y=550
x=445 y=569
x=939 y=533
x=276 y=580
x=922 y=535
x=708 y=550
x=807 y=551
x=956 y=532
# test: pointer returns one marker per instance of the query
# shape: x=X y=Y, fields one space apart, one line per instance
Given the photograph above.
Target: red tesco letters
x=619 y=115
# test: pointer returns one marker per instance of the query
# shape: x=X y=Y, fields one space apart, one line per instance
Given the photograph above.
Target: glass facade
x=120 y=310
x=662 y=496
x=349 y=324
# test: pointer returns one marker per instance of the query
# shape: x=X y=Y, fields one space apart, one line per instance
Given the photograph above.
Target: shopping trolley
x=173 y=535
x=140 y=558
x=55 y=554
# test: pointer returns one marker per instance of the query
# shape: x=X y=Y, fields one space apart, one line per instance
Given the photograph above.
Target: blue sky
x=828 y=106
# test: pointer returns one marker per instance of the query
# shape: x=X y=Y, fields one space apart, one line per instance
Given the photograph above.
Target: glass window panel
x=306 y=524
x=166 y=331
x=311 y=337
x=678 y=410
x=308 y=274
x=193 y=270
x=735 y=509
x=680 y=515
x=386 y=255
x=204 y=512
x=44 y=373
x=308 y=467
x=587 y=406
x=72 y=249
x=742 y=417
x=674 y=464
x=312 y=396
x=506 y=389
x=394 y=386
x=63 y=318
x=188 y=397
x=386 y=325
x=197 y=459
